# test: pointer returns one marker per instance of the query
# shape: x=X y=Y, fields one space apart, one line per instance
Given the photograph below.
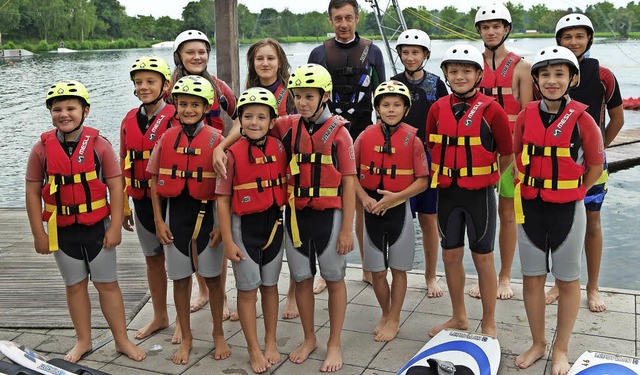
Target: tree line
x=53 y=21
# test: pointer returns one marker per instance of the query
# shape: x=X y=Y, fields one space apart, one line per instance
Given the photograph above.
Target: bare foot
x=488 y=329
x=222 y=350
x=319 y=285
x=367 y=277
x=534 y=353
x=475 y=291
x=380 y=325
x=290 y=309
x=131 y=350
x=552 y=295
x=152 y=327
x=181 y=356
x=301 y=353
x=451 y=323
x=560 y=363
x=504 y=289
x=198 y=303
x=433 y=289
x=226 y=314
x=78 y=351
x=177 y=335
x=388 y=332
x=259 y=363
x=271 y=353
x=333 y=360
x=233 y=316
x=595 y=302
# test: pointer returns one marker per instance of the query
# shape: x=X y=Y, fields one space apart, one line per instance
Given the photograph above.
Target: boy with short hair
x=63 y=172
x=559 y=157
x=182 y=172
x=414 y=49
x=468 y=134
x=392 y=168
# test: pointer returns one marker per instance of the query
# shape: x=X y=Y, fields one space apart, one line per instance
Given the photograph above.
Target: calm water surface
x=23 y=117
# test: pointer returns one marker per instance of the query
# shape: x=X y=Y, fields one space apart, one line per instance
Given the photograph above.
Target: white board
x=602 y=363
x=26 y=357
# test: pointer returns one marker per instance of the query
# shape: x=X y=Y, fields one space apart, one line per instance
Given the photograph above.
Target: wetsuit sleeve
x=229 y=97
x=432 y=121
x=317 y=56
x=420 y=164
x=278 y=129
x=108 y=158
x=441 y=89
x=499 y=122
x=518 y=130
x=345 y=153
x=378 y=73
x=154 y=160
x=35 y=164
x=356 y=150
x=612 y=95
x=123 y=137
x=591 y=140
x=224 y=185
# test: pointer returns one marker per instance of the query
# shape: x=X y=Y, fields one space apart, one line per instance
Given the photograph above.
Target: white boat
x=168 y=44
x=65 y=50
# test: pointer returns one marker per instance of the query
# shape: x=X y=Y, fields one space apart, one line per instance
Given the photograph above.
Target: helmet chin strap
x=463 y=95
x=535 y=81
x=320 y=106
x=255 y=142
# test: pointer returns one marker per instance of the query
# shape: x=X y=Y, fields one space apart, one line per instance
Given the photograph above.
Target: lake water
x=23 y=118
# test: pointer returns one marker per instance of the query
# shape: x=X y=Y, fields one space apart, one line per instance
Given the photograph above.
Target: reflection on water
x=106 y=74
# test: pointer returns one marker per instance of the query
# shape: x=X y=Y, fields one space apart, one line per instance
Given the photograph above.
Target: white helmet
x=413 y=37
x=463 y=53
x=574 y=20
x=554 y=55
x=493 y=12
x=188 y=35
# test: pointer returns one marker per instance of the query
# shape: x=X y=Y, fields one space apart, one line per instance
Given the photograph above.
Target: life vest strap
x=393 y=171
x=58 y=179
x=303 y=192
x=176 y=173
x=493 y=91
x=262 y=183
x=274 y=230
x=52 y=224
x=447 y=140
x=381 y=149
x=540 y=183
x=135 y=155
x=464 y=172
x=138 y=184
x=534 y=150
x=266 y=159
x=189 y=150
x=308 y=158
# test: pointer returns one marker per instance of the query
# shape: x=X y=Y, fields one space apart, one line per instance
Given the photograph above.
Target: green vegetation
x=100 y=24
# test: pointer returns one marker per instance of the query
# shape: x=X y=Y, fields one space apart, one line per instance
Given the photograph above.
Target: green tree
x=167 y=28
x=112 y=20
x=517 y=17
x=143 y=27
x=82 y=19
x=246 y=21
x=200 y=15
x=267 y=24
x=9 y=19
x=535 y=18
x=314 y=24
x=288 y=23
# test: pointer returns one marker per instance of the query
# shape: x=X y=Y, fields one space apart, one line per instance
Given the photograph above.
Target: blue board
x=602 y=363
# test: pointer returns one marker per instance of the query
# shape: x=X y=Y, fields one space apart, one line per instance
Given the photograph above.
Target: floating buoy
x=631 y=103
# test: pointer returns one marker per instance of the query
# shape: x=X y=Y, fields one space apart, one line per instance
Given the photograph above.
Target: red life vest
x=497 y=83
x=389 y=169
x=139 y=147
x=259 y=179
x=73 y=192
x=188 y=162
x=455 y=140
x=281 y=95
x=313 y=177
x=545 y=165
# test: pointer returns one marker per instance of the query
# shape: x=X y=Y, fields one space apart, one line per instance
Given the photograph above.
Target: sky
x=173 y=8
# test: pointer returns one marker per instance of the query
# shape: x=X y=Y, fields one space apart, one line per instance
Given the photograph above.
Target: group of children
x=200 y=198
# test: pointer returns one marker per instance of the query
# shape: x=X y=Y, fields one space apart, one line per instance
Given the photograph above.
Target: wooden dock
x=624 y=151
x=33 y=294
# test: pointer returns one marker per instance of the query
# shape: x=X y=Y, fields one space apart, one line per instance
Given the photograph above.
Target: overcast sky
x=173 y=8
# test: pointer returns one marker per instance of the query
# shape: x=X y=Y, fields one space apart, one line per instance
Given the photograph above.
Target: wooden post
x=227 y=49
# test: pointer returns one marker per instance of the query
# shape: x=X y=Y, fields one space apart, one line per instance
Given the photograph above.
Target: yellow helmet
x=151 y=63
x=392 y=87
x=196 y=86
x=310 y=75
x=67 y=88
x=258 y=95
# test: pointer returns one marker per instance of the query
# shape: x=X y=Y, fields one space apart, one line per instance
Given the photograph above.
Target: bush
x=100 y=44
x=9 y=45
x=131 y=43
x=119 y=44
x=43 y=46
x=28 y=47
x=72 y=44
x=87 y=44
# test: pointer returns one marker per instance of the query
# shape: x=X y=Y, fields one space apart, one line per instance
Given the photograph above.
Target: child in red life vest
x=559 y=157
x=250 y=203
x=183 y=174
x=71 y=169
x=468 y=132
x=140 y=130
x=393 y=167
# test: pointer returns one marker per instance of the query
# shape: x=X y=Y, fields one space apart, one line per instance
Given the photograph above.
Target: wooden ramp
x=624 y=151
x=32 y=294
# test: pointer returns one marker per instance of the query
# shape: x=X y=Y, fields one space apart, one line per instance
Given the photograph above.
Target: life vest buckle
x=136 y=155
x=535 y=150
x=537 y=183
x=69 y=210
x=452 y=173
x=449 y=140
x=64 y=179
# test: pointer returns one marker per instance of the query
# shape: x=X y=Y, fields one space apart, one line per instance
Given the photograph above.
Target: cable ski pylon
x=390 y=23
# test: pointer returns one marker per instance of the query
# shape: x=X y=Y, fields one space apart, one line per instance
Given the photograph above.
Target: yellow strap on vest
x=527 y=151
x=266 y=159
x=462 y=172
x=548 y=184
x=273 y=232
x=381 y=148
x=517 y=204
x=604 y=177
x=146 y=154
x=494 y=90
x=77 y=178
x=127 y=208
x=184 y=174
x=473 y=141
x=387 y=171
x=52 y=225
x=196 y=231
x=136 y=183
x=297 y=158
x=264 y=183
x=295 y=231
x=189 y=150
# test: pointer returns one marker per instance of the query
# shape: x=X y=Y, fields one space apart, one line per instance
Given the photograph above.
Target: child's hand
x=113 y=237
x=220 y=162
x=368 y=204
x=216 y=237
x=127 y=223
x=163 y=233
x=41 y=244
x=233 y=252
x=345 y=241
x=388 y=200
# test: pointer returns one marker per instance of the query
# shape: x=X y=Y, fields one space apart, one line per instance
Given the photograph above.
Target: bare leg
x=430 y=246
x=157 y=279
x=359 y=227
x=216 y=303
x=398 y=292
x=487 y=282
x=202 y=298
x=534 y=304
x=112 y=307
x=337 y=311
x=79 y=306
x=507 y=238
x=454 y=272
x=270 y=300
x=290 y=307
x=568 y=307
x=181 y=295
x=319 y=285
x=593 y=250
x=306 y=306
x=247 y=312
x=552 y=295
x=383 y=295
